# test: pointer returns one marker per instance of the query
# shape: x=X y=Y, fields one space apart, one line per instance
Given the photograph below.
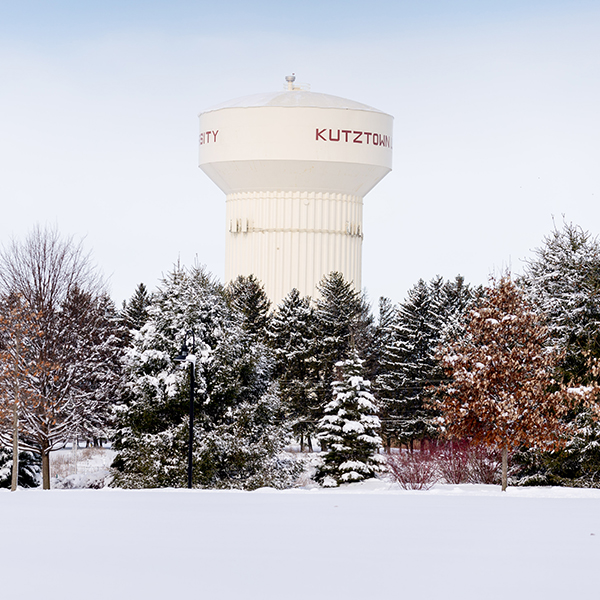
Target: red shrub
x=484 y=465
x=413 y=471
x=453 y=462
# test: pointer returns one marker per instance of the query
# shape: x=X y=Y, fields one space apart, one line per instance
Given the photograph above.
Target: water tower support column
x=293 y=239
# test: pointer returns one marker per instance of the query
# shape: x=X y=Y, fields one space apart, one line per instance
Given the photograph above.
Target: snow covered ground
x=364 y=541
x=82 y=467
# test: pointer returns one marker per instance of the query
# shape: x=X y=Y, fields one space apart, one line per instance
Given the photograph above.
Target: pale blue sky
x=497 y=126
x=47 y=19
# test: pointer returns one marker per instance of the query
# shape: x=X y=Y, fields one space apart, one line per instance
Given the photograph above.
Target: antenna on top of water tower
x=290 y=82
x=292 y=86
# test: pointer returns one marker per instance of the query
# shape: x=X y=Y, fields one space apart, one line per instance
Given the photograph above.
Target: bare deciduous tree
x=78 y=347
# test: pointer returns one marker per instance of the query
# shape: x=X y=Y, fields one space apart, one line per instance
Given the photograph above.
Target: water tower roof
x=294 y=98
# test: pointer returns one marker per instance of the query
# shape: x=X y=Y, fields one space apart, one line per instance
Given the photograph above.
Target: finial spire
x=290 y=81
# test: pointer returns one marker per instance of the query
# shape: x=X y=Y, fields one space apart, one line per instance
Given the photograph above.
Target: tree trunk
x=46 y=469
x=74 y=449
x=504 y=468
x=15 y=462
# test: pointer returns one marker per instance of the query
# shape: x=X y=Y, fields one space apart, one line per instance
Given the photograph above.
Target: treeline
x=322 y=373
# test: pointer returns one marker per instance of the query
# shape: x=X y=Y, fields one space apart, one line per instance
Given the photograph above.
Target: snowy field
x=363 y=541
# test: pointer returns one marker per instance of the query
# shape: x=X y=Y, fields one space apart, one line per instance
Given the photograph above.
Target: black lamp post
x=184 y=355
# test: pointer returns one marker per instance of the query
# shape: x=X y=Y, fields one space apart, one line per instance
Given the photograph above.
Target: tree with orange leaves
x=502 y=390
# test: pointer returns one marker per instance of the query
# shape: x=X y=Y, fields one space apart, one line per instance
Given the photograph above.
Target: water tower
x=295 y=166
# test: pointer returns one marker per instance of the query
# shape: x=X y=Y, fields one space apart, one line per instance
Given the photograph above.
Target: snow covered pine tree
x=292 y=338
x=406 y=366
x=350 y=429
x=342 y=322
x=408 y=362
x=135 y=312
x=239 y=431
x=247 y=297
x=562 y=281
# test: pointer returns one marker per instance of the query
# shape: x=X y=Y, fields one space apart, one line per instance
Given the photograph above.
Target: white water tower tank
x=295 y=166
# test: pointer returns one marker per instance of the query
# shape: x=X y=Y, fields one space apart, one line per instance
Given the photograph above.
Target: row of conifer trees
x=267 y=375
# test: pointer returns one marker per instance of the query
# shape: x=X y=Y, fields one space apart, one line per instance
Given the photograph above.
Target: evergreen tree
x=341 y=325
x=152 y=431
x=247 y=297
x=383 y=344
x=455 y=299
x=292 y=338
x=93 y=338
x=135 y=312
x=563 y=282
x=245 y=450
x=408 y=367
x=388 y=379
x=431 y=313
x=364 y=338
x=350 y=428
x=29 y=469
x=239 y=431
x=384 y=330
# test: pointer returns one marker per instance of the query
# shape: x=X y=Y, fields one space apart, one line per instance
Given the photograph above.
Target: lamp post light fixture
x=186 y=356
